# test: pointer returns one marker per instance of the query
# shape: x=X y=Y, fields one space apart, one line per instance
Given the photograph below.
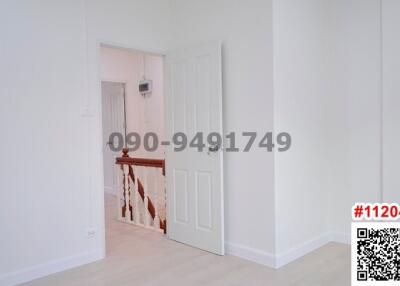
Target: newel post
x=125 y=152
x=127 y=193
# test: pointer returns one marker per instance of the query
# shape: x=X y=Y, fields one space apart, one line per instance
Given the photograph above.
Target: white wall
x=51 y=176
x=362 y=80
x=391 y=100
x=143 y=114
x=303 y=107
x=327 y=94
x=245 y=28
x=357 y=60
x=327 y=97
x=44 y=200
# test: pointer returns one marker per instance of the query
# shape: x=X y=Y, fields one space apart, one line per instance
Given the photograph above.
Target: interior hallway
x=136 y=256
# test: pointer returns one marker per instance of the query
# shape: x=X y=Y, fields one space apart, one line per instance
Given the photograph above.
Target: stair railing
x=138 y=174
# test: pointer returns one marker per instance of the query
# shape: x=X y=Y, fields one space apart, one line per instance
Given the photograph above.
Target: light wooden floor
x=136 y=256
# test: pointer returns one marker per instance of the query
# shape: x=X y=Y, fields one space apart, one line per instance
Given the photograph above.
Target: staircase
x=135 y=192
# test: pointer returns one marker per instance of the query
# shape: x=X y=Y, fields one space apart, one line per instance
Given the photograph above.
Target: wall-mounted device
x=145 y=87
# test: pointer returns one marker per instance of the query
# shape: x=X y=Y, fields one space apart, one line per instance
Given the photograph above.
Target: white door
x=195 y=202
x=113 y=121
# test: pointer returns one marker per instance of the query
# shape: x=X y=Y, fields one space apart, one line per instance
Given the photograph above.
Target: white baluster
x=156 y=190
x=119 y=207
x=146 y=199
x=127 y=193
x=132 y=199
x=136 y=216
x=140 y=178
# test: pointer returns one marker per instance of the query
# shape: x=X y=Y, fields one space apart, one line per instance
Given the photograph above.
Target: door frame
x=87 y=112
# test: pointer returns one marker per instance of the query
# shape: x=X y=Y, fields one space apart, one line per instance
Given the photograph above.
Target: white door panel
x=194 y=179
x=113 y=121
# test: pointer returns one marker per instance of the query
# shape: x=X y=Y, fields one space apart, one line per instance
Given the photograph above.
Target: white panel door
x=113 y=121
x=195 y=178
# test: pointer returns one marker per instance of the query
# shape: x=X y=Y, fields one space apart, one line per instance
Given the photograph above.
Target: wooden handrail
x=125 y=159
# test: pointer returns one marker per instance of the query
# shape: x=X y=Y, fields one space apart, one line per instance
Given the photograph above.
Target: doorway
x=190 y=174
x=133 y=107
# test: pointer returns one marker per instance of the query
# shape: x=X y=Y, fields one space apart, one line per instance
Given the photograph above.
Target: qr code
x=375 y=253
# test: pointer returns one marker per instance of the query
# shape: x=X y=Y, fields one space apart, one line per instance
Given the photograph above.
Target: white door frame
x=135 y=48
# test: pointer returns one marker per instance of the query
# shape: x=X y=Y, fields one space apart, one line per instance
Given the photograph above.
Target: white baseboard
x=338 y=237
x=51 y=267
x=279 y=260
x=251 y=254
x=301 y=250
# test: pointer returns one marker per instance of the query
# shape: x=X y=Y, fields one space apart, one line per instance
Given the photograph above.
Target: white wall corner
x=310 y=246
x=251 y=254
x=51 y=267
x=341 y=237
x=301 y=250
